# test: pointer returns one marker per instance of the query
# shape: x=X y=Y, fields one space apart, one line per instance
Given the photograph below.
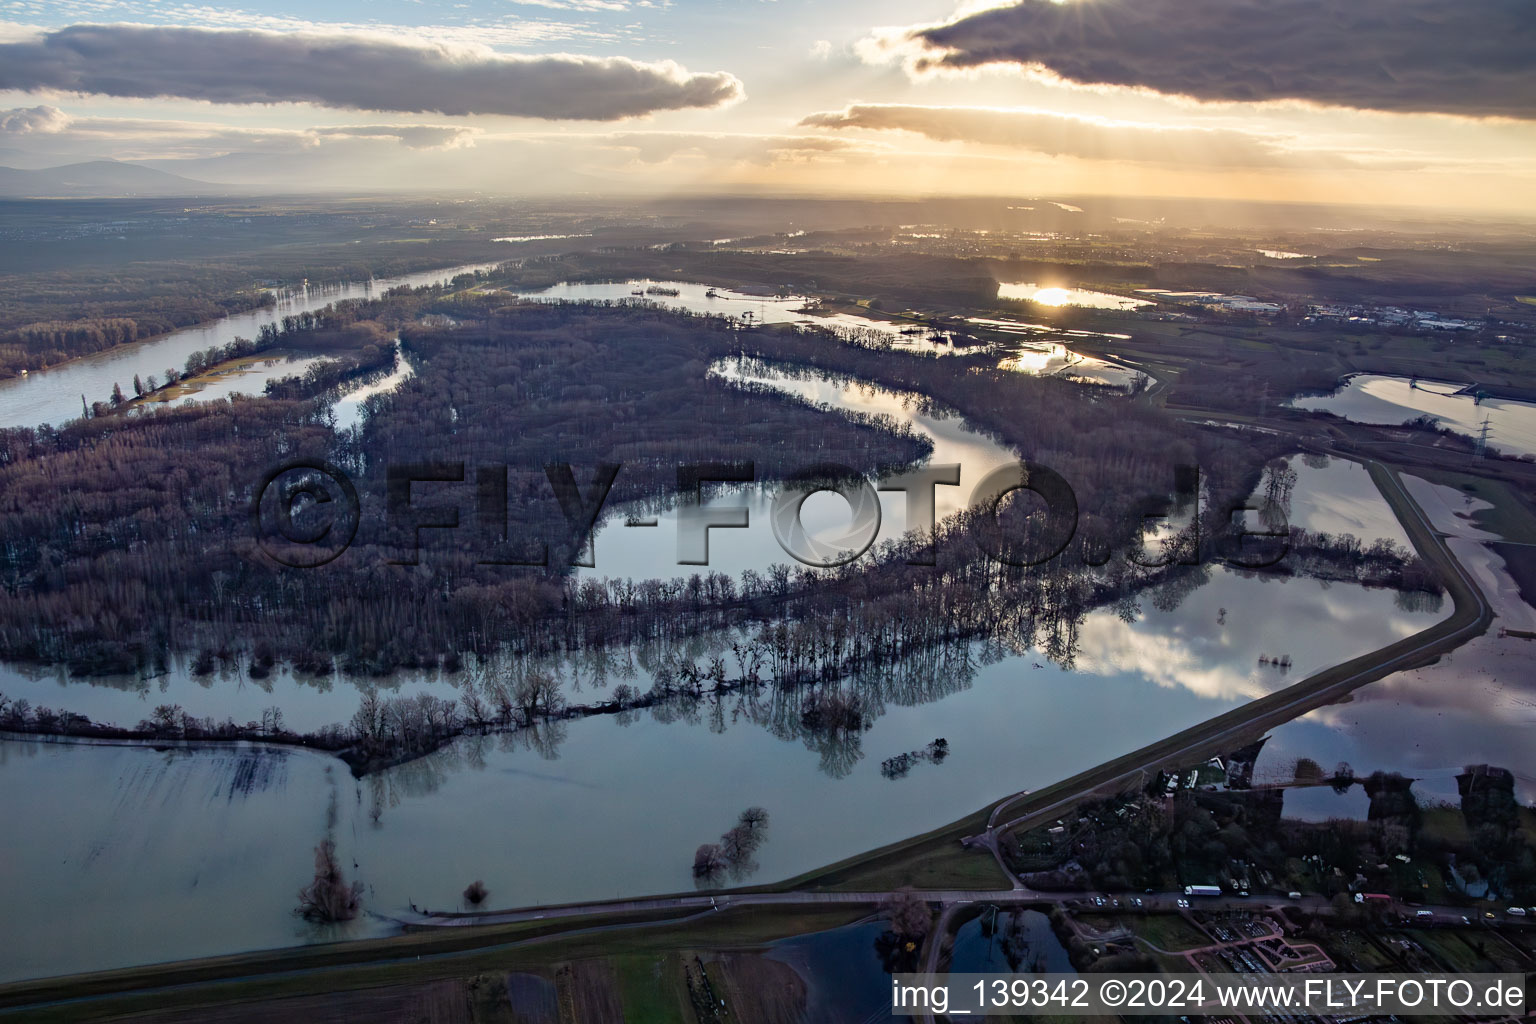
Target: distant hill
x=101 y=178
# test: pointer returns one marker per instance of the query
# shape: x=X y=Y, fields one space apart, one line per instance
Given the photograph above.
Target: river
x=53 y=395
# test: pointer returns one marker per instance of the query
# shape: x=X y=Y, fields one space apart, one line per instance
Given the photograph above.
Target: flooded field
x=1052 y=359
x=1008 y=942
x=1053 y=295
x=747 y=308
x=1476 y=705
x=1373 y=398
x=1336 y=496
x=843 y=975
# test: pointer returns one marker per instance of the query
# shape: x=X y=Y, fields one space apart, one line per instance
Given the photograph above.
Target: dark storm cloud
x=1469 y=57
x=352 y=72
x=1063 y=135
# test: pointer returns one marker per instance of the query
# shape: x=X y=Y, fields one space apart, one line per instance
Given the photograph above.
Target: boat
x=638 y=291
x=711 y=294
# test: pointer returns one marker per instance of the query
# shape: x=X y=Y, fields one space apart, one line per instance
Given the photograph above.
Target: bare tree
x=909 y=914
x=329 y=898
x=737 y=844
x=475 y=893
x=537 y=693
x=707 y=860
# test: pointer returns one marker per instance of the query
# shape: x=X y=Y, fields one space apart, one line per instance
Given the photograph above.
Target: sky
x=1423 y=103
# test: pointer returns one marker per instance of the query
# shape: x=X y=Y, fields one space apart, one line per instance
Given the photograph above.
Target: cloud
x=30 y=120
x=1064 y=135
x=1470 y=57
x=411 y=136
x=656 y=147
x=137 y=138
x=350 y=72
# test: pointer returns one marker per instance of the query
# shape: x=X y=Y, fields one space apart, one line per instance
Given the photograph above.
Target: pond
x=1374 y=398
x=53 y=395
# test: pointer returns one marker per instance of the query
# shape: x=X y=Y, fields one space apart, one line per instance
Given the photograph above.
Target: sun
x=1052 y=296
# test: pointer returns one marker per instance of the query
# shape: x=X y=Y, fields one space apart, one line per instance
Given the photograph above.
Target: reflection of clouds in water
x=1338 y=496
x=1474 y=705
x=1196 y=648
x=1110 y=647
x=1372 y=398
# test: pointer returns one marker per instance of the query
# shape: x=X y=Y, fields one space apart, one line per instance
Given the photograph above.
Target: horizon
x=1434 y=216
x=633 y=96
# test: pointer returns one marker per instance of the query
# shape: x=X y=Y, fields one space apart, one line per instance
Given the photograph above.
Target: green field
x=652 y=988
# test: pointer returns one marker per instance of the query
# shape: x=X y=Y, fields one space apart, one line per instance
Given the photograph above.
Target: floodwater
x=1324 y=803
x=152 y=855
x=348 y=410
x=1374 y=398
x=752 y=309
x=1336 y=497
x=308 y=702
x=134 y=854
x=252 y=378
x=1054 y=295
x=653 y=552
x=694 y=297
x=1476 y=705
x=844 y=978
x=53 y=395
x=1051 y=359
x=1037 y=357
x=538 y=816
x=1008 y=942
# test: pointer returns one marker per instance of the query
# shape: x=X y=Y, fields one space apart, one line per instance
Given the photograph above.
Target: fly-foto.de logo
x=306 y=512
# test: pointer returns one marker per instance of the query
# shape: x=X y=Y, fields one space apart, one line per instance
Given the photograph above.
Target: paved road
x=1307 y=694
x=704 y=903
